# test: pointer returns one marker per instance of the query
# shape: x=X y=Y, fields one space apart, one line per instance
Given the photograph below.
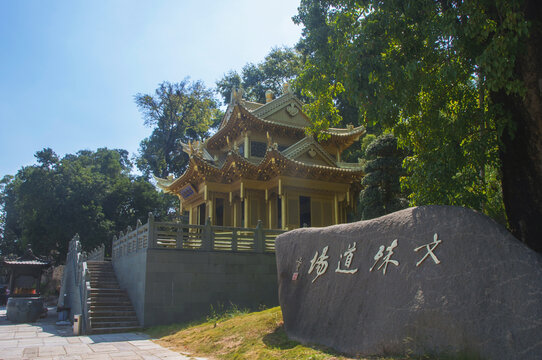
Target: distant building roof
x=27 y=259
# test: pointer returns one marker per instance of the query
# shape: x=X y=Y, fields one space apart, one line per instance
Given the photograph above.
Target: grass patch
x=235 y=334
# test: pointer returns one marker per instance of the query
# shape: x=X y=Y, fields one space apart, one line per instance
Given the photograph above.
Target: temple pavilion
x=261 y=165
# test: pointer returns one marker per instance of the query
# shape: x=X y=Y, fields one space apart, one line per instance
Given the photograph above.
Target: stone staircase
x=110 y=308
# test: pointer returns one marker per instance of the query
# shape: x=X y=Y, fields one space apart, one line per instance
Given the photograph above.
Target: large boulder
x=425 y=280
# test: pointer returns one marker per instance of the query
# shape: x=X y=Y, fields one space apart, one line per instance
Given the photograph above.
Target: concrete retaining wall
x=130 y=271
x=181 y=285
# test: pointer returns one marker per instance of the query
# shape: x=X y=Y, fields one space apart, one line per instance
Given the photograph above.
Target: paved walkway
x=46 y=340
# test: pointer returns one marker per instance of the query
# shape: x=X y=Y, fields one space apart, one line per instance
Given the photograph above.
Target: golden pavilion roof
x=240 y=118
x=236 y=167
x=282 y=117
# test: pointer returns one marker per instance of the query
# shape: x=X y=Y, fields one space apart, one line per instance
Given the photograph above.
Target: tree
x=456 y=81
x=6 y=247
x=382 y=192
x=91 y=193
x=279 y=66
x=178 y=112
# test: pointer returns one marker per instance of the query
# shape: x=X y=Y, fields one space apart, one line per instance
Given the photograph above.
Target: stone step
x=99 y=263
x=100 y=274
x=113 y=319
x=110 y=299
x=113 y=324
x=103 y=278
x=105 y=281
x=110 y=303
x=108 y=295
x=110 y=308
x=99 y=266
x=94 y=290
x=98 y=317
x=106 y=312
x=109 y=330
x=103 y=285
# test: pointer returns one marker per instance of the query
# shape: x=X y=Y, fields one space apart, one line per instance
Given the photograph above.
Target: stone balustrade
x=177 y=235
x=75 y=284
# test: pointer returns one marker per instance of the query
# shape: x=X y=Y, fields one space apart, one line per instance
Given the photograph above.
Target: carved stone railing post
x=234 y=240
x=259 y=238
x=114 y=247
x=131 y=245
x=138 y=225
x=152 y=232
x=123 y=251
x=207 y=239
x=180 y=235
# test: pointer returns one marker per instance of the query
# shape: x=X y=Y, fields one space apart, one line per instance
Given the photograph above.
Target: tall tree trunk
x=521 y=155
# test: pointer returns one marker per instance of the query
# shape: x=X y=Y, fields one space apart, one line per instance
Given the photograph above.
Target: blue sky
x=69 y=69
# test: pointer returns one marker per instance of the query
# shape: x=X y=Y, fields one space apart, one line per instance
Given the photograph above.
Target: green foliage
x=6 y=246
x=365 y=142
x=321 y=109
x=90 y=193
x=382 y=192
x=178 y=112
x=220 y=312
x=281 y=65
x=424 y=71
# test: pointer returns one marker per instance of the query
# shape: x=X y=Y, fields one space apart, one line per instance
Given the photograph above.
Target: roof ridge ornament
x=268 y=96
x=292 y=109
x=236 y=95
x=286 y=88
x=193 y=147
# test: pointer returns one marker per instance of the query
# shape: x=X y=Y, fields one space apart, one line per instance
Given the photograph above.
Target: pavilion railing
x=177 y=235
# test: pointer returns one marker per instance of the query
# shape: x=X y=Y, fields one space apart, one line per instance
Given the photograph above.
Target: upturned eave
x=236 y=167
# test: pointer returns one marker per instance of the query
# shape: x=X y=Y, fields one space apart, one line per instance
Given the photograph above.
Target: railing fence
x=177 y=235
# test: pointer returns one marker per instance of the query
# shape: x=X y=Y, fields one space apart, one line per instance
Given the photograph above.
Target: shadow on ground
x=48 y=325
x=279 y=340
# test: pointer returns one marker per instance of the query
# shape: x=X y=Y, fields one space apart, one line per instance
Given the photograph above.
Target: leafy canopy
x=382 y=192
x=279 y=66
x=178 y=112
x=424 y=70
x=91 y=193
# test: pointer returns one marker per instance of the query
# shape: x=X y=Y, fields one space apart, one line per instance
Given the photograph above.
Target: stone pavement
x=46 y=340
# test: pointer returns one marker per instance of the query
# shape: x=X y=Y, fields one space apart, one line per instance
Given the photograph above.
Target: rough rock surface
x=483 y=297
